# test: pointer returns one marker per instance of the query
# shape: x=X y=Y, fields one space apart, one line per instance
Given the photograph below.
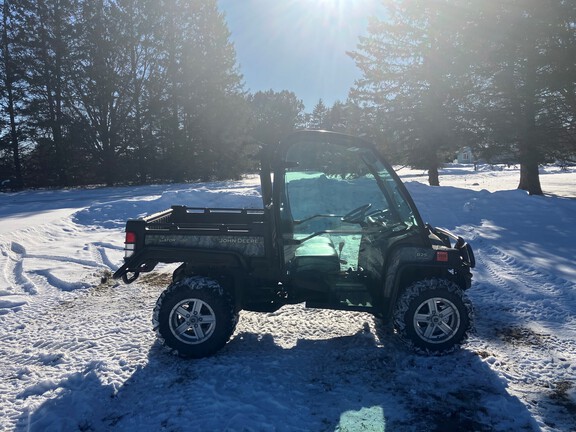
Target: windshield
x=330 y=180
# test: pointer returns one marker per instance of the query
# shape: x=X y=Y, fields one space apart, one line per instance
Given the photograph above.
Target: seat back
x=316 y=254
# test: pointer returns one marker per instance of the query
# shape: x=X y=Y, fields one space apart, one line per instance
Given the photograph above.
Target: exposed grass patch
x=156 y=280
x=521 y=336
x=560 y=395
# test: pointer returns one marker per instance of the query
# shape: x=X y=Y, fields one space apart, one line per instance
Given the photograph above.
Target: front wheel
x=195 y=317
x=433 y=316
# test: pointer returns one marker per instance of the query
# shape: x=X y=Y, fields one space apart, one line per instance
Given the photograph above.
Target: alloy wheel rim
x=192 y=321
x=436 y=320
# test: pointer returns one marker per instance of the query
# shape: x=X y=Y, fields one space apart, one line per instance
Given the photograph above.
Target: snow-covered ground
x=77 y=351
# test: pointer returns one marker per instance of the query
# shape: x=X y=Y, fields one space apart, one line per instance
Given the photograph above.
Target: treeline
x=108 y=91
x=138 y=91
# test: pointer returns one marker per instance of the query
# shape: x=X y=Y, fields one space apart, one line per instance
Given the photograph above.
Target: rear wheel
x=433 y=316
x=195 y=317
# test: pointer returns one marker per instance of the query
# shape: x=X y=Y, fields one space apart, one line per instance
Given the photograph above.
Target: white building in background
x=465 y=156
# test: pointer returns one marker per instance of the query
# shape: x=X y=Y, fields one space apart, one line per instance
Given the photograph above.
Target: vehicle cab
x=341 y=217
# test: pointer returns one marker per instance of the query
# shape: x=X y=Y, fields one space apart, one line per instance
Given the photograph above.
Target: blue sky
x=298 y=45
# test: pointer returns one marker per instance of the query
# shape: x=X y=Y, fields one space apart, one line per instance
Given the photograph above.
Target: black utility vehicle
x=337 y=230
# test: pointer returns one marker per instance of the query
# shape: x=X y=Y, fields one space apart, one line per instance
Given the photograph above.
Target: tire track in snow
x=66 y=259
x=526 y=329
x=21 y=281
x=14 y=271
x=58 y=337
x=98 y=251
x=554 y=297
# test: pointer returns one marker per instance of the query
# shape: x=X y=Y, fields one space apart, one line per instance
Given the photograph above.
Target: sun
x=332 y=5
x=340 y=9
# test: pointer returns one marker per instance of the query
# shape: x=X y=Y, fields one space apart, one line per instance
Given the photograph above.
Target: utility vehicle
x=337 y=230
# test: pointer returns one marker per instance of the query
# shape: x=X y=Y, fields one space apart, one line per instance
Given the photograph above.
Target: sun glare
x=331 y=3
x=331 y=6
x=339 y=12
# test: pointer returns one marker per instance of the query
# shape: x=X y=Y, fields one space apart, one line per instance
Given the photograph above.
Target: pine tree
x=214 y=107
x=529 y=83
x=319 y=117
x=275 y=115
x=336 y=119
x=48 y=30
x=137 y=38
x=203 y=85
x=411 y=66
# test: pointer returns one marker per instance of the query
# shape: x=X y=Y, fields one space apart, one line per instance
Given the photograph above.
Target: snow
x=77 y=351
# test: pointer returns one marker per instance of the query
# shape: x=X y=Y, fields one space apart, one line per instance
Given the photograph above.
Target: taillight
x=130 y=237
x=129 y=244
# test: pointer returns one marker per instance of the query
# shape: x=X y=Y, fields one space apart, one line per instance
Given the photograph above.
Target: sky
x=299 y=45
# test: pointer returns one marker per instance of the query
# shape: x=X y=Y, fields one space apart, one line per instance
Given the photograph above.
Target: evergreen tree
x=48 y=31
x=203 y=84
x=563 y=81
x=528 y=80
x=411 y=76
x=275 y=115
x=214 y=106
x=139 y=40
x=336 y=118
x=319 y=117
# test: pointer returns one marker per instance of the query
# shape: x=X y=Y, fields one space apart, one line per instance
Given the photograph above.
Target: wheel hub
x=192 y=321
x=436 y=320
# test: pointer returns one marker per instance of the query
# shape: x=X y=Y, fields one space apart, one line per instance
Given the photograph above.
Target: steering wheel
x=379 y=215
x=357 y=215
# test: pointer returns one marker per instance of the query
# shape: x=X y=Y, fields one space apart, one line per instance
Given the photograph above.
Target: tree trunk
x=432 y=162
x=433 y=176
x=108 y=156
x=62 y=153
x=53 y=98
x=8 y=84
x=530 y=178
x=529 y=154
x=139 y=138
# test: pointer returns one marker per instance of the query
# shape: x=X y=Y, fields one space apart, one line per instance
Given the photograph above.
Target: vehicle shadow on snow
x=359 y=382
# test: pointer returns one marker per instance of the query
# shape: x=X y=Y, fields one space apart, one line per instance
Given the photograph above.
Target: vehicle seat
x=317 y=254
